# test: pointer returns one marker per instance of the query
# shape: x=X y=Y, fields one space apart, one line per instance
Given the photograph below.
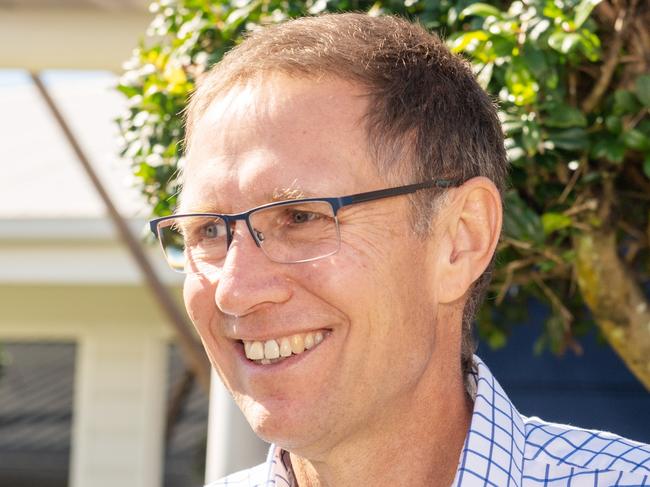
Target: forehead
x=278 y=134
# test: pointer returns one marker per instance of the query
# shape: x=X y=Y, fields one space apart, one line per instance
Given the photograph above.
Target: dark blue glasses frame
x=336 y=203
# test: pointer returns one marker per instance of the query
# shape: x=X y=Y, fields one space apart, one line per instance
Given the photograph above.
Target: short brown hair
x=425 y=105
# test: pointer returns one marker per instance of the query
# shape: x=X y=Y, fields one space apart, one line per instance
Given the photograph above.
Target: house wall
x=119 y=402
x=59 y=36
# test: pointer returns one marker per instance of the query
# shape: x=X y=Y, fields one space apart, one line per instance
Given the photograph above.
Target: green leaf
x=636 y=140
x=502 y=46
x=554 y=11
x=590 y=45
x=531 y=137
x=468 y=40
x=515 y=153
x=583 y=10
x=512 y=125
x=646 y=166
x=564 y=42
x=625 y=103
x=239 y=16
x=539 y=27
x=485 y=75
x=496 y=338
x=569 y=256
x=520 y=221
x=480 y=10
x=129 y=91
x=564 y=116
x=555 y=327
x=614 y=124
x=609 y=149
x=546 y=266
x=552 y=79
x=521 y=84
x=540 y=345
x=555 y=221
x=535 y=59
x=642 y=89
x=572 y=139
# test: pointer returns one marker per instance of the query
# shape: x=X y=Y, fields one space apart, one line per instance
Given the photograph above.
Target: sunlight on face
x=371 y=301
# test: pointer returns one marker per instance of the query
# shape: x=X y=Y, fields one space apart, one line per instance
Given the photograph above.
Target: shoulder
x=251 y=477
x=582 y=450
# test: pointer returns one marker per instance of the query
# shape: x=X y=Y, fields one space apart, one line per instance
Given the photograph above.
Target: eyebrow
x=291 y=192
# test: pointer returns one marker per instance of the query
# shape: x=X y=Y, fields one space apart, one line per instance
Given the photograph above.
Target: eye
x=211 y=230
x=304 y=216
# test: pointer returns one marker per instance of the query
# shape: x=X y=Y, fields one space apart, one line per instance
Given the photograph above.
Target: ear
x=469 y=235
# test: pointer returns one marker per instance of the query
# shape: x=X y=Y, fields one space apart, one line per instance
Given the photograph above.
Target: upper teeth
x=281 y=347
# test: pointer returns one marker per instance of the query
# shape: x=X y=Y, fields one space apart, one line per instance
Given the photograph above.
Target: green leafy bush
x=571 y=79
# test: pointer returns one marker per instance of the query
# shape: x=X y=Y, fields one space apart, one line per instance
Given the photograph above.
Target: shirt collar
x=494 y=447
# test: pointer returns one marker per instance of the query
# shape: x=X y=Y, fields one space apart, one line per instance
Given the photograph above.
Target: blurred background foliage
x=572 y=81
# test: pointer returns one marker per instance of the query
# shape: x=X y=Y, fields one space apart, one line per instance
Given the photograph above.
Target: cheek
x=338 y=280
x=198 y=295
x=391 y=289
x=363 y=288
x=390 y=326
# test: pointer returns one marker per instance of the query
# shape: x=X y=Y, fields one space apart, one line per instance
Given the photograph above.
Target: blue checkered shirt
x=504 y=448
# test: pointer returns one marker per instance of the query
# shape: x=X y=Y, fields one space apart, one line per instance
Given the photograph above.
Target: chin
x=279 y=424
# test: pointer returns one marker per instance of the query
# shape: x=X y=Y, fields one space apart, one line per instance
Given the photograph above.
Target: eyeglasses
x=288 y=232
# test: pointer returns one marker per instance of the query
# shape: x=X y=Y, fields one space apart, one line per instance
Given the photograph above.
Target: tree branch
x=615 y=299
x=567 y=316
x=571 y=184
x=621 y=25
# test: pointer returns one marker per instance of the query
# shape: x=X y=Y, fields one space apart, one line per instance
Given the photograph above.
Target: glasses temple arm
x=387 y=193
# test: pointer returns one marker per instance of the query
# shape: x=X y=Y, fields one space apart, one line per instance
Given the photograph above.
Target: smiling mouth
x=278 y=349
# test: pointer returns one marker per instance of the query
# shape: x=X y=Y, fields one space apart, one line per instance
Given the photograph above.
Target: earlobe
x=472 y=233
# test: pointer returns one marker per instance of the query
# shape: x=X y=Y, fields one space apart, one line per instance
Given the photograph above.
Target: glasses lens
x=297 y=232
x=193 y=244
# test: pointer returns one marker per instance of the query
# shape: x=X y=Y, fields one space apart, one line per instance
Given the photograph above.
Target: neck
x=422 y=450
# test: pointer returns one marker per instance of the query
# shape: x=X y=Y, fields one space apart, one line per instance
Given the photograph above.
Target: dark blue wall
x=594 y=390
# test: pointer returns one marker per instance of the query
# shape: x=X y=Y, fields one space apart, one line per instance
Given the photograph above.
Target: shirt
x=505 y=449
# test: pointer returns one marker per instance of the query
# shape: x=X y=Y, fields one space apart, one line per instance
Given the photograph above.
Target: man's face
x=373 y=301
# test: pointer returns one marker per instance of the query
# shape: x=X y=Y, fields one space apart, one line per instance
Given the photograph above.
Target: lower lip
x=282 y=364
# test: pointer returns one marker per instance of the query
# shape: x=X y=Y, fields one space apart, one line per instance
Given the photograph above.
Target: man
x=340 y=211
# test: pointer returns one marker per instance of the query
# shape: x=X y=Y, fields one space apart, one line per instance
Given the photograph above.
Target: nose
x=248 y=279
